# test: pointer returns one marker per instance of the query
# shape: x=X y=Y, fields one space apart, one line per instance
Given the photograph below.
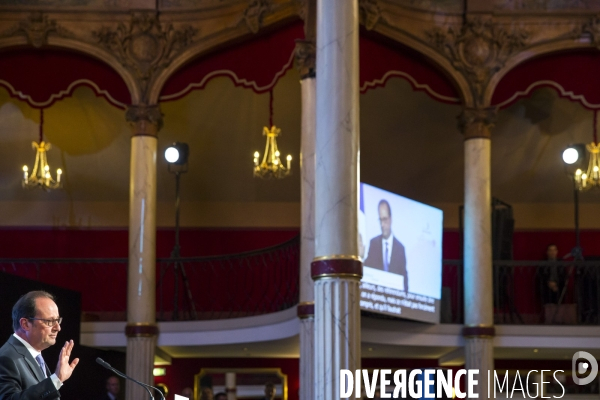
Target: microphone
x=145 y=386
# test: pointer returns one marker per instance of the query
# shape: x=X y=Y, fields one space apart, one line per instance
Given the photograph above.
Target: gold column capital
x=477 y=122
x=144 y=120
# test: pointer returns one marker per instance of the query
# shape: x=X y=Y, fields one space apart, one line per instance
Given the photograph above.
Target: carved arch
x=528 y=54
x=436 y=58
x=86 y=49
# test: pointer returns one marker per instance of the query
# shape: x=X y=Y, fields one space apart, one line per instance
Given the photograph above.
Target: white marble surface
x=337 y=334
x=337 y=139
x=307 y=188
x=307 y=351
x=140 y=362
x=478 y=236
x=141 y=289
x=230 y=386
x=479 y=354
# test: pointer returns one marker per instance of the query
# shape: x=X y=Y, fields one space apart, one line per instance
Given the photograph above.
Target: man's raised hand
x=63 y=368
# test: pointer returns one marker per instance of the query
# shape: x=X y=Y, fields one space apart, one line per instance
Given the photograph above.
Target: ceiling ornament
x=478 y=49
x=145 y=46
x=370 y=13
x=255 y=12
x=36 y=28
x=271 y=165
x=40 y=176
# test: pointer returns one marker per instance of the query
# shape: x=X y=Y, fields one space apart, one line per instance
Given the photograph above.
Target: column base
x=479 y=354
x=140 y=363
x=307 y=351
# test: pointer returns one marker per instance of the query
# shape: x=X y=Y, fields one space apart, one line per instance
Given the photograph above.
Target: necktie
x=386 y=263
x=40 y=361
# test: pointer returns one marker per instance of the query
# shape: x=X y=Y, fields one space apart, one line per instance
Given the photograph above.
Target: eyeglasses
x=49 y=322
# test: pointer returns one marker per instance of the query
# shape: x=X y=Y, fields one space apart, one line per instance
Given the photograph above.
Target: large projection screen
x=400 y=242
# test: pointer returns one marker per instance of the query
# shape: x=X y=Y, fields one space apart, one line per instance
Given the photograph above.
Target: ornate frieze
x=145 y=46
x=478 y=49
x=36 y=28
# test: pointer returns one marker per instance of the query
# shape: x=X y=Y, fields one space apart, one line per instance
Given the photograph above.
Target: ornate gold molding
x=479 y=49
x=36 y=28
x=145 y=46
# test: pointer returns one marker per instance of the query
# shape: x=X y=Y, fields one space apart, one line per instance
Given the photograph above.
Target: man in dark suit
x=113 y=386
x=385 y=251
x=24 y=374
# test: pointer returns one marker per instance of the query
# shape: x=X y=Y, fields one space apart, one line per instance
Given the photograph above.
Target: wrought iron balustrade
x=245 y=284
x=532 y=292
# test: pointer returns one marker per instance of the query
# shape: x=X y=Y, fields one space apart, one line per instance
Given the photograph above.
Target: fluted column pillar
x=336 y=269
x=305 y=55
x=479 y=330
x=230 y=386
x=141 y=330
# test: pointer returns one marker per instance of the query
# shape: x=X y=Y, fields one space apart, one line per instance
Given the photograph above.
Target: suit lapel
x=33 y=364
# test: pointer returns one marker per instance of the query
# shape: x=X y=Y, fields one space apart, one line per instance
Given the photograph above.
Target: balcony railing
x=245 y=284
x=532 y=292
x=267 y=280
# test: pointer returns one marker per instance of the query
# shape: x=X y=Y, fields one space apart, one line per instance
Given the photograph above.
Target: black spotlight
x=177 y=154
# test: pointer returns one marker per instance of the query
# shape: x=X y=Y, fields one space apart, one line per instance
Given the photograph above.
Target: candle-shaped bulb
x=578 y=172
x=47 y=168
x=47 y=175
x=58 y=174
x=289 y=157
x=256 y=154
x=25 y=168
x=596 y=168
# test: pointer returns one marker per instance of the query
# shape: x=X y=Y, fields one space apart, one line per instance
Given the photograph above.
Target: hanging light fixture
x=271 y=165
x=585 y=178
x=40 y=176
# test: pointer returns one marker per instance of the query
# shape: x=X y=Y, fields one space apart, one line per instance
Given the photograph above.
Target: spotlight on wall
x=177 y=153
x=574 y=153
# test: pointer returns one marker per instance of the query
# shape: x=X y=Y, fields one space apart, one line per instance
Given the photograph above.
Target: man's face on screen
x=385 y=219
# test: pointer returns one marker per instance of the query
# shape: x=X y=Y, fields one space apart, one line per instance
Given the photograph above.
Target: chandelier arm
x=41 y=125
x=265 y=155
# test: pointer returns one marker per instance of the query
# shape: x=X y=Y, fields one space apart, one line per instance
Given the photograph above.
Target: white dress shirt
x=34 y=354
x=390 y=242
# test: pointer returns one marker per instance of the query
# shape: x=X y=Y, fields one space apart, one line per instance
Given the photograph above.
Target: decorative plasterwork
x=545 y=5
x=144 y=119
x=36 y=29
x=145 y=46
x=369 y=13
x=477 y=122
x=591 y=28
x=255 y=12
x=478 y=50
x=305 y=54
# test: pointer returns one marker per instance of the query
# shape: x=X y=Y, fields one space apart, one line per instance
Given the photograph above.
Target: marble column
x=479 y=330
x=305 y=61
x=141 y=330
x=336 y=269
x=230 y=386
